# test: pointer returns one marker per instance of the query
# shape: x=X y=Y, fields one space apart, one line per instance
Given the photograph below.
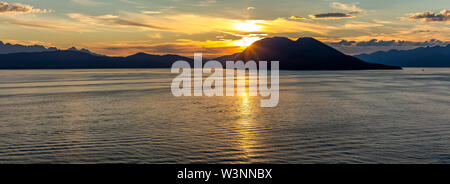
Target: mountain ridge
x=8 y=48
x=305 y=53
x=70 y=59
x=437 y=56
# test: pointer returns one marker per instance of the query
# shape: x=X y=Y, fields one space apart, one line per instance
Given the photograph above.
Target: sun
x=249 y=25
x=246 y=41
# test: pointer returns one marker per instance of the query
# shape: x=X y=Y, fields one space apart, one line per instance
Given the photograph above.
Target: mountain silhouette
x=304 y=54
x=17 y=48
x=230 y=57
x=143 y=60
x=7 y=48
x=437 y=56
x=71 y=59
x=84 y=50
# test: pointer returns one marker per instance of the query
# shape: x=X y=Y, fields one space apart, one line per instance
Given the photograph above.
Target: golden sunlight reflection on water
x=248 y=110
x=131 y=116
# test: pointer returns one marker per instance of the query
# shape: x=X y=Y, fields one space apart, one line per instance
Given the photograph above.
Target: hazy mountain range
x=437 y=56
x=7 y=48
x=302 y=54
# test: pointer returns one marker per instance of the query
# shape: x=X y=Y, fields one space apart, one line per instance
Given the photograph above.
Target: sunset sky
x=219 y=27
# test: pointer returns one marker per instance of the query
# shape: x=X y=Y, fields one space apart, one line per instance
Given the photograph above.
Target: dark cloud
x=331 y=16
x=443 y=16
x=375 y=42
x=389 y=43
x=422 y=31
x=112 y=20
x=296 y=17
x=365 y=47
x=345 y=43
x=18 y=8
x=354 y=12
x=30 y=24
x=119 y=21
x=33 y=24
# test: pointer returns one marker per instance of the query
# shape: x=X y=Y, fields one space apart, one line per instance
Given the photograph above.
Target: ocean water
x=130 y=116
